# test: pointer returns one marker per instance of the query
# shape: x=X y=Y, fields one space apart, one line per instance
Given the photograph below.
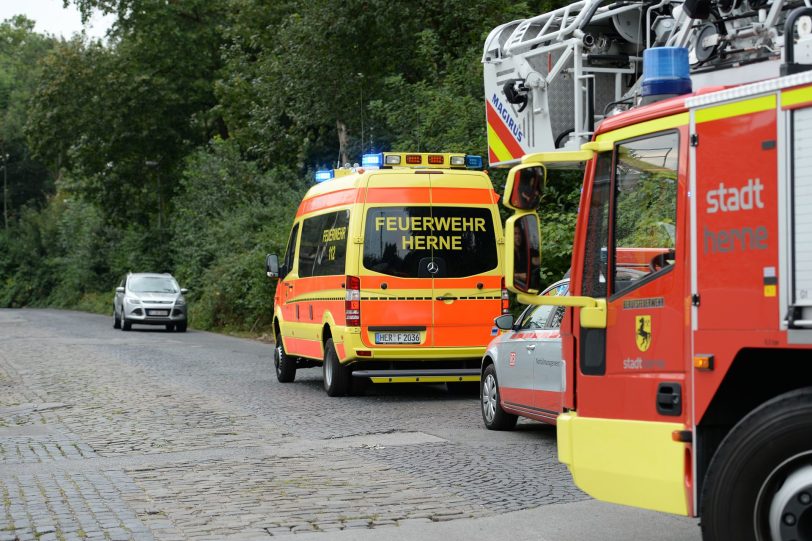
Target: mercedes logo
x=432 y=267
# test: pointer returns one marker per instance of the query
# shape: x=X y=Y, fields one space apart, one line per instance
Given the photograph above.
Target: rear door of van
x=468 y=282
x=432 y=250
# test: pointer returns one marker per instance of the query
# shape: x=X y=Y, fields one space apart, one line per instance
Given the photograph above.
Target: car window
x=402 y=241
x=536 y=318
x=558 y=314
x=153 y=284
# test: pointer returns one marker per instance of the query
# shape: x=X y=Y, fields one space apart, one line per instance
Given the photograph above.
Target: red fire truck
x=688 y=333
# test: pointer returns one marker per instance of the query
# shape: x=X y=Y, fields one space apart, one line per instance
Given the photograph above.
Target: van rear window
x=426 y=242
x=323 y=248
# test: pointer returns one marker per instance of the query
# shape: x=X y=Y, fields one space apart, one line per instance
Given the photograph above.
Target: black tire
x=116 y=319
x=170 y=327
x=284 y=365
x=125 y=325
x=336 y=377
x=180 y=327
x=766 y=447
x=494 y=417
x=462 y=388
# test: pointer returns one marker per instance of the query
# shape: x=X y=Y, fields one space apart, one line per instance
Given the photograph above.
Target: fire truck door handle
x=669 y=399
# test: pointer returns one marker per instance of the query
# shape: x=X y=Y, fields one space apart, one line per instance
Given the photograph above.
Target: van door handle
x=447 y=298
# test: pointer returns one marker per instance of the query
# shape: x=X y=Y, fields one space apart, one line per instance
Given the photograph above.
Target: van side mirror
x=272 y=266
x=523 y=254
x=524 y=186
x=504 y=322
x=119 y=289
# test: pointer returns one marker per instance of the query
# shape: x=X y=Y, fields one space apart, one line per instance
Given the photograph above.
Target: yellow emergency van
x=392 y=273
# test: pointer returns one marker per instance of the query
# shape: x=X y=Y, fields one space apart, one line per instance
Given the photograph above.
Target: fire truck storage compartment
x=801 y=310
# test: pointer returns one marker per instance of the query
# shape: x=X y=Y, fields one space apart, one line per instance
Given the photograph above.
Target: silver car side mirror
x=504 y=322
x=119 y=290
x=183 y=291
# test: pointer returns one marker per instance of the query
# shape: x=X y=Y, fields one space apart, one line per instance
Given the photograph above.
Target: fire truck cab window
x=323 y=248
x=597 y=236
x=645 y=208
x=401 y=241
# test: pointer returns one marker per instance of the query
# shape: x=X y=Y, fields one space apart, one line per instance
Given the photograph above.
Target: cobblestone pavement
x=147 y=434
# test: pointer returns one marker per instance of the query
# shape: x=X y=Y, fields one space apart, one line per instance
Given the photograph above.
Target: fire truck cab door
x=631 y=375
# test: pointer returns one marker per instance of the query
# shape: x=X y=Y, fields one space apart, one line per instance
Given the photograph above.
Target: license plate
x=159 y=312
x=397 y=337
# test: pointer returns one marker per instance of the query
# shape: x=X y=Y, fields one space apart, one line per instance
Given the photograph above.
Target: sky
x=52 y=18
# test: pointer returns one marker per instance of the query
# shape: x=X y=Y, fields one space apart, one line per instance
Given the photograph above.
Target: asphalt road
x=147 y=434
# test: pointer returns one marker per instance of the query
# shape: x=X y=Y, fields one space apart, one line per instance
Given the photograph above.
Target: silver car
x=149 y=299
x=523 y=372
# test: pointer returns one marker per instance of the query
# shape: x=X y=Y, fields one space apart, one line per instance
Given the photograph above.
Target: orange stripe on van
x=399 y=195
x=455 y=196
x=330 y=200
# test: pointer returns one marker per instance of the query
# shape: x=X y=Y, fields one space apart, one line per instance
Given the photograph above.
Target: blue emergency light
x=324 y=174
x=473 y=162
x=666 y=71
x=372 y=161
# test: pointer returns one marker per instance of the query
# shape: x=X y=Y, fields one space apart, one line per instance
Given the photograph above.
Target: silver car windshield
x=153 y=284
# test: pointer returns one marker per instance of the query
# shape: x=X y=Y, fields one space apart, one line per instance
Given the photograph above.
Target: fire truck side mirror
x=524 y=185
x=272 y=266
x=523 y=253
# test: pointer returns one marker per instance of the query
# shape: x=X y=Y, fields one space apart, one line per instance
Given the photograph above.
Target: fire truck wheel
x=493 y=415
x=336 y=377
x=284 y=365
x=759 y=482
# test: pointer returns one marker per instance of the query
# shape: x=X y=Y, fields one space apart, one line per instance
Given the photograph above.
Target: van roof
x=473 y=179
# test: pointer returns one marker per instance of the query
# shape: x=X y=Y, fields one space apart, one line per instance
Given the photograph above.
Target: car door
x=549 y=367
x=518 y=357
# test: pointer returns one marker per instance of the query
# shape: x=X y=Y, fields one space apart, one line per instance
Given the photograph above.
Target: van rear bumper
x=419 y=376
x=414 y=354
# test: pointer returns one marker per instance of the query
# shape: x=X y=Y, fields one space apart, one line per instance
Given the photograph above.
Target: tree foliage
x=183 y=142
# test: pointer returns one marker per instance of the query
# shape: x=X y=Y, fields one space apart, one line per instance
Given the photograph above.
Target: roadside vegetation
x=184 y=142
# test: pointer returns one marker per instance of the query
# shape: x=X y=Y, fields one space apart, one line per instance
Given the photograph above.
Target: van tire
x=745 y=474
x=284 y=365
x=336 y=376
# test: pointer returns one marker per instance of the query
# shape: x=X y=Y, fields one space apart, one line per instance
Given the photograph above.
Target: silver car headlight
x=130 y=300
x=180 y=301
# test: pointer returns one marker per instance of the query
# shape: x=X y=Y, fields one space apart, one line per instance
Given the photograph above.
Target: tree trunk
x=343 y=142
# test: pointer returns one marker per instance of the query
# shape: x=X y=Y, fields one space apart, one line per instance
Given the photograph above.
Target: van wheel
x=759 y=482
x=493 y=415
x=336 y=377
x=285 y=366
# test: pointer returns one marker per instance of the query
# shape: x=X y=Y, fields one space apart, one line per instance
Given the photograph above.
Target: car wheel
x=116 y=319
x=336 y=377
x=759 y=481
x=170 y=327
x=493 y=415
x=125 y=325
x=285 y=365
x=180 y=327
x=462 y=388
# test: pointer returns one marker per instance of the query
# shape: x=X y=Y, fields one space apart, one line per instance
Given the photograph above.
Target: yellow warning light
x=703 y=362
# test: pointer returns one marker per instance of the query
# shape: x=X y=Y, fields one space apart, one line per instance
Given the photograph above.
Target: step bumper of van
x=428 y=375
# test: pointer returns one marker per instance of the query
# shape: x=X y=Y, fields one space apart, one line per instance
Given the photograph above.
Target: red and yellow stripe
x=502 y=146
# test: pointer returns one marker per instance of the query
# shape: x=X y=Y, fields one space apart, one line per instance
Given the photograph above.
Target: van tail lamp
x=436 y=159
x=414 y=159
x=703 y=362
x=352 y=302
x=505 y=298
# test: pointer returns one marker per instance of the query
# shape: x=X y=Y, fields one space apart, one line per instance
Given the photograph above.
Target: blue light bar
x=473 y=162
x=324 y=174
x=372 y=161
x=666 y=71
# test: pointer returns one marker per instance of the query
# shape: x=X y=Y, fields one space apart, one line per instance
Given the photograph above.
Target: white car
x=523 y=372
x=149 y=299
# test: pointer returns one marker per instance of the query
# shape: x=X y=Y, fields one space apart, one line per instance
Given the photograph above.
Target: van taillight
x=352 y=302
x=505 y=298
